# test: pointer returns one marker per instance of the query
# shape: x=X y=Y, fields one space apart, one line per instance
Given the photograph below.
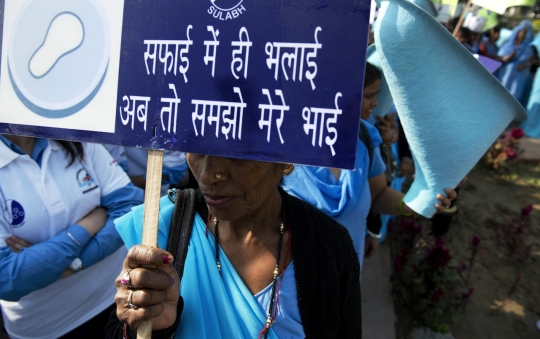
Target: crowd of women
x=249 y=249
x=518 y=51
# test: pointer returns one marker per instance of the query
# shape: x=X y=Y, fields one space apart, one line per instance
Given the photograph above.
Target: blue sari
x=531 y=126
x=215 y=306
x=516 y=81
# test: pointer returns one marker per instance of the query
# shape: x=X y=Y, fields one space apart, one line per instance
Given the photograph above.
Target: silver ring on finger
x=126 y=279
x=129 y=301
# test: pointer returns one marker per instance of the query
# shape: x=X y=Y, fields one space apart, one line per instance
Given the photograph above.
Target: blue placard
x=263 y=79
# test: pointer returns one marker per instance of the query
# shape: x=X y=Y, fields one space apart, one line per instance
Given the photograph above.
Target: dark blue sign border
x=339 y=27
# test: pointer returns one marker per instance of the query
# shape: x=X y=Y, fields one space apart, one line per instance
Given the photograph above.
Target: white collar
x=54 y=145
x=6 y=155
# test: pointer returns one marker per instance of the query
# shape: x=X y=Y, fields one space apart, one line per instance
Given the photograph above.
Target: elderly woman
x=260 y=264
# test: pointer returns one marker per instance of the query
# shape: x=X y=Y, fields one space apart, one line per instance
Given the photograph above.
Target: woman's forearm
x=389 y=202
x=40 y=265
x=107 y=240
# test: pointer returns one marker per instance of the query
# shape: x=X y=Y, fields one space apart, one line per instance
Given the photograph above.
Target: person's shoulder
x=316 y=231
x=309 y=216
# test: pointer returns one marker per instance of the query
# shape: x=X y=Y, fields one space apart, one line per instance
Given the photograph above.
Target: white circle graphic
x=59 y=55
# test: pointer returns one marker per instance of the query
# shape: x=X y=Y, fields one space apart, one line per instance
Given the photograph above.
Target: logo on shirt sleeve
x=14 y=213
x=86 y=183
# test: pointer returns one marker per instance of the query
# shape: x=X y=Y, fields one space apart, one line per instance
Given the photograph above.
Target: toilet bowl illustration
x=64 y=35
x=58 y=55
x=451 y=108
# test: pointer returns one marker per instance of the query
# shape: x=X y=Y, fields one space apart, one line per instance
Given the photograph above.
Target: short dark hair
x=372 y=74
x=465 y=32
x=496 y=29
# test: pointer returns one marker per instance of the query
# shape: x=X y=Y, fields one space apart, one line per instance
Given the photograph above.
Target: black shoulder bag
x=181 y=225
x=373 y=220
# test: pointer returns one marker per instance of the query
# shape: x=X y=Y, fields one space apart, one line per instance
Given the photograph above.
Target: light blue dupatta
x=214 y=306
x=347 y=199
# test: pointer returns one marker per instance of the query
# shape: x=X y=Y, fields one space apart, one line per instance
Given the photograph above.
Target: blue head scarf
x=517 y=80
x=523 y=51
x=346 y=199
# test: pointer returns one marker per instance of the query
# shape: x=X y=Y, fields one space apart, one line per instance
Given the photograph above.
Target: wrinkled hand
x=154 y=282
x=446 y=201
x=16 y=244
x=388 y=128
x=371 y=246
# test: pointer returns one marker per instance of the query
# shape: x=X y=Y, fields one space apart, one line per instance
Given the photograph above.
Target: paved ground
x=531 y=148
x=378 y=317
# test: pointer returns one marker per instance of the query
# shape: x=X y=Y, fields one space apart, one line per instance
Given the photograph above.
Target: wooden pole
x=152 y=195
x=462 y=17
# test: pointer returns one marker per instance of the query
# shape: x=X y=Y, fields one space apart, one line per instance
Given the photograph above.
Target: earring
x=288 y=169
x=218 y=176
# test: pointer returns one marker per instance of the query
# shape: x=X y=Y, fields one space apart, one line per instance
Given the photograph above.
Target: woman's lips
x=216 y=200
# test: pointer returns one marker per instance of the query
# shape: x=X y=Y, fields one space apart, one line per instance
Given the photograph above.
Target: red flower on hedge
x=517 y=133
x=411 y=226
x=527 y=210
x=439 y=256
x=510 y=153
x=468 y=294
x=475 y=242
x=400 y=261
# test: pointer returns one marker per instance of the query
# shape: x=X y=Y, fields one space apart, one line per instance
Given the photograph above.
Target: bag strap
x=181 y=225
x=364 y=136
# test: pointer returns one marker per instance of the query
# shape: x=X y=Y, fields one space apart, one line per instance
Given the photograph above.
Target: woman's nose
x=210 y=169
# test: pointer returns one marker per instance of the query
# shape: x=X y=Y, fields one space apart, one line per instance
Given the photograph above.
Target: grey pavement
x=378 y=317
x=531 y=150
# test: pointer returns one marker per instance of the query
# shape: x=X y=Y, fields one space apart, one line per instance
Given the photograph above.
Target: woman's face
x=461 y=38
x=494 y=35
x=369 y=99
x=521 y=36
x=233 y=188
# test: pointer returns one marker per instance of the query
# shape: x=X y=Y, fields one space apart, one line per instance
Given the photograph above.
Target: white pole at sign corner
x=373 y=12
